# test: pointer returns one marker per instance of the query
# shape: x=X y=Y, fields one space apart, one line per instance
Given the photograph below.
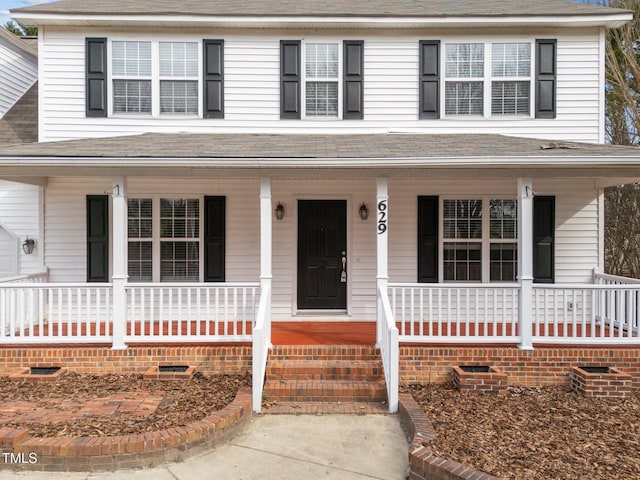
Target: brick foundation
x=542 y=366
x=492 y=381
x=68 y=454
x=100 y=360
x=611 y=384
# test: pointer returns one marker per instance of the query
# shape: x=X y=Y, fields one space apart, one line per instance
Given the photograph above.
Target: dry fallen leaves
x=536 y=433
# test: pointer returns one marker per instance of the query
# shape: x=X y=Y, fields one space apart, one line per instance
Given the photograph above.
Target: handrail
x=389 y=345
x=616 y=278
x=261 y=345
x=38 y=277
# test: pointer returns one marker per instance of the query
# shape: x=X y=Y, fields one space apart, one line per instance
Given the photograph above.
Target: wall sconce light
x=28 y=245
x=364 y=212
x=279 y=211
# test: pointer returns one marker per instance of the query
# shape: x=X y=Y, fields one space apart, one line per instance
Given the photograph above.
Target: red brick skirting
x=426 y=364
x=423 y=464
x=611 y=384
x=67 y=454
x=100 y=359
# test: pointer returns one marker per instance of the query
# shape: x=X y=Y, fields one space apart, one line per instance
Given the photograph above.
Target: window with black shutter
x=544 y=220
x=546 y=78
x=214 y=239
x=97 y=238
x=428 y=239
x=290 y=78
x=213 y=51
x=429 y=90
x=96 y=77
x=353 y=73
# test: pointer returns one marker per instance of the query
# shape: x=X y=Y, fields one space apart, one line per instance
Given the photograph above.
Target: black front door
x=322 y=239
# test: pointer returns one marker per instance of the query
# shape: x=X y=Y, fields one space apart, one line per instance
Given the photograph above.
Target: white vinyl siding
x=252 y=87
x=15 y=81
x=19 y=215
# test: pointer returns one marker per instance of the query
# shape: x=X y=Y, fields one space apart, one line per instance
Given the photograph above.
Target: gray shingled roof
x=261 y=146
x=26 y=46
x=324 y=8
x=20 y=124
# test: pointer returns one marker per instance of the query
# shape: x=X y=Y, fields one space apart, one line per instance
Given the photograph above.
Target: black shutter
x=290 y=78
x=214 y=239
x=429 y=79
x=428 y=239
x=213 y=64
x=546 y=78
x=97 y=238
x=96 y=77
x=544 y=221
x=353 y=73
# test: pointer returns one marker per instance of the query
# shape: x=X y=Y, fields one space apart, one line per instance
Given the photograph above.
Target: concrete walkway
x=283 y=447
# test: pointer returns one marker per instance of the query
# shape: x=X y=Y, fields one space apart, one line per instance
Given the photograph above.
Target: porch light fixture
x=364 y=212
x=28 y=245
x=279 y=211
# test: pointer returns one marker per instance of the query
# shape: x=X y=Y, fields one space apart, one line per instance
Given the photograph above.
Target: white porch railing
x=40 y=313
x=40 y=277
x=387 y=339
x=261 y=346
x=460 y=313
x=606 y=313
x=182 y=312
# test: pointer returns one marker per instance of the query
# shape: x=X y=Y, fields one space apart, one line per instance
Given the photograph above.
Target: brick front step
x=361 y=370
x=327 y=408
x=325 y=391
x=324 y=352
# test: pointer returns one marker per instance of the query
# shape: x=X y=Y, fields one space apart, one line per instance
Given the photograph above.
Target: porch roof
x=20 y=123
x=389 y=150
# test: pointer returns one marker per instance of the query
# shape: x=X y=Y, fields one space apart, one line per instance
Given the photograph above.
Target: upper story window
x=178 y=77
x=155 y=77
x=131 y=71
x=487 y=80
x=464 y=85
x=511 y=78
x=321 y=79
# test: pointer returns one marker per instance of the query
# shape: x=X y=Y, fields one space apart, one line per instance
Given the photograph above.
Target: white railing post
x=525 y=262
x=119 y=279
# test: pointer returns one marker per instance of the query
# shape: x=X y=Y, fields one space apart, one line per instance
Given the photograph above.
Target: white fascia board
x=335 y=163
x=610 y=21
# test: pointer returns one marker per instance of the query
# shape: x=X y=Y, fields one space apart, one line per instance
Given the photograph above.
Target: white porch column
x=119 y=249
x=525 y=261
x=382 y=244
x=266 y=216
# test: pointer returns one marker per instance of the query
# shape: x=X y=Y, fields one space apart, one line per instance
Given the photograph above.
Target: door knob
x=343 y=275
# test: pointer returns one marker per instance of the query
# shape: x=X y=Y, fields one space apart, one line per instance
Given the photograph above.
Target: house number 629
x=382 y=217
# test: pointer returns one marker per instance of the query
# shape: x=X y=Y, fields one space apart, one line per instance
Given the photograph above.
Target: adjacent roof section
x=23 y=46
x=265 y=11
x=311 y=150
x=20 y=124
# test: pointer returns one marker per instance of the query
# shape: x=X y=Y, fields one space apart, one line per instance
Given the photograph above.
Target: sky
x=6 y=5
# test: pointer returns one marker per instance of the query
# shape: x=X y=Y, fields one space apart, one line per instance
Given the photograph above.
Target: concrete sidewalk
x=283 y=447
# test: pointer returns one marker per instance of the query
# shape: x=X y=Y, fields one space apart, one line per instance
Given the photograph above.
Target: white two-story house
x=436 y=167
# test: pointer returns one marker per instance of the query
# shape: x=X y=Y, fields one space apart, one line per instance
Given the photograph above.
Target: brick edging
x=67 y=454
x=423 y=463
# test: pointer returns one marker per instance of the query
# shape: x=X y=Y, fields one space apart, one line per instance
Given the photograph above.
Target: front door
x=322 y=244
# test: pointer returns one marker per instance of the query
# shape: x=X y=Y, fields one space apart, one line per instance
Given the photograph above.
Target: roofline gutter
x=535 y=162
x=611 y=20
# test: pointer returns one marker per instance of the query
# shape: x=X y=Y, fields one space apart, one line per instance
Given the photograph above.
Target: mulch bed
x=535 y=433
x=182 y=402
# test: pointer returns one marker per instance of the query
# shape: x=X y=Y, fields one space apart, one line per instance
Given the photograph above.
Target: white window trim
x=156 y=238
x=304 y=79
x=488 y=78
x=485 y=241
x=155 y=78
